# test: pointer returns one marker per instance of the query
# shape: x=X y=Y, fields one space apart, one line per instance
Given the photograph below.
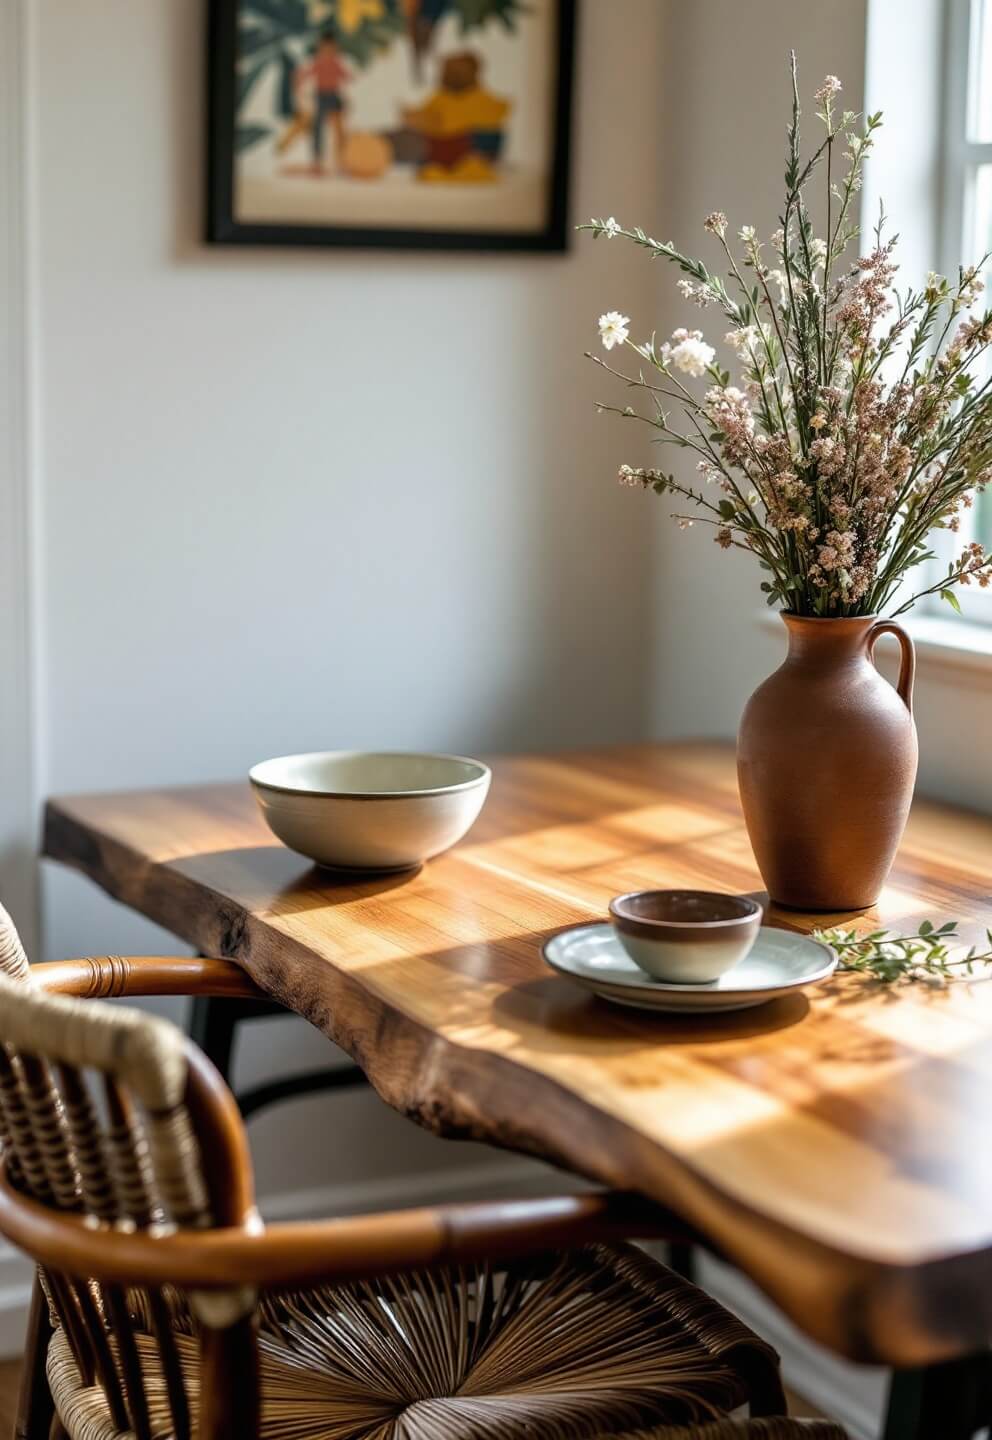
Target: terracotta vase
x=826 y=761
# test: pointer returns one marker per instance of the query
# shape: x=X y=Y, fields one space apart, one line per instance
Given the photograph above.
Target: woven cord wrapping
x=13 y=961
x=15 y=1124
x=146 y=1055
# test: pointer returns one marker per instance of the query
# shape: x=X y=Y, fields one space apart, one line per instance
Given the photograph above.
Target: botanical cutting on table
x=932 y=955
x=858 y=423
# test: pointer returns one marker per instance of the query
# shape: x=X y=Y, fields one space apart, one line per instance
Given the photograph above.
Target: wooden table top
x=835 y=1146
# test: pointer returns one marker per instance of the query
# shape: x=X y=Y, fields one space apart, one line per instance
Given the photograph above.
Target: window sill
x=949 y=645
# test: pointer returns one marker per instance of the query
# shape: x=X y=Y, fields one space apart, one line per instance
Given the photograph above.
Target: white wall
x=296 y=500
x=17 y=866
x=727 y=88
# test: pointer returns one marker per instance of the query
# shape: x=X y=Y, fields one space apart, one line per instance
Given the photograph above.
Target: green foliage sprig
x=928 y=955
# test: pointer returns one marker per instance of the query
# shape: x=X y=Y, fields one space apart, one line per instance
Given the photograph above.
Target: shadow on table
x=263 y=877
x=551 y=1010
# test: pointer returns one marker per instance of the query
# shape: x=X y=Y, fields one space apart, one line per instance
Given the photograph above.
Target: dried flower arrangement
x=852 y=437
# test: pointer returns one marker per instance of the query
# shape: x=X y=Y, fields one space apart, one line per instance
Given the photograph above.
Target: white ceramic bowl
x=361 y=810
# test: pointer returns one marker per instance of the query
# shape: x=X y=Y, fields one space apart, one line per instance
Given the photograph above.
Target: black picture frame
x=223 y=228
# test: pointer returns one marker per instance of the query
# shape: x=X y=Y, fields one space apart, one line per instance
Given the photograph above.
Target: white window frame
x=961 y=160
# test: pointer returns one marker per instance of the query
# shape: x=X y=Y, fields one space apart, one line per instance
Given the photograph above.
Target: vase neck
x=828 y=642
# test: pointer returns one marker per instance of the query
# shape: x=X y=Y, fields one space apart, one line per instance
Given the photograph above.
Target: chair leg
x=682 y=1259
x=939 y=1402
x=35 y=1411
x=212 y=1026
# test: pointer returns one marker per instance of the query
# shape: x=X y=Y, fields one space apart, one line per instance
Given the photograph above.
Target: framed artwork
x=427 y=124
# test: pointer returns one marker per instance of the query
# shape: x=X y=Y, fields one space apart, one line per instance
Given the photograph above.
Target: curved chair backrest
x=110 y=1113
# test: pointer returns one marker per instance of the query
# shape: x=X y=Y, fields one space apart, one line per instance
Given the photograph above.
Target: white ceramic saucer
x=779 y=961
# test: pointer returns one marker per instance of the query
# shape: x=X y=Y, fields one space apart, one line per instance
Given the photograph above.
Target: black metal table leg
x=213 y=1026
x=940 y=1402
x=682 y=1259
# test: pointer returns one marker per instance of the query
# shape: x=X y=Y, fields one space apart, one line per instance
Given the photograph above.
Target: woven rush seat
x=562 y=1346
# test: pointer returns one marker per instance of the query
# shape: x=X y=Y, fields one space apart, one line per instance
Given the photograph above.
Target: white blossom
x=689 y=352
x=700 y=295
x=611 y=228
x=746 y=339
x=972 y=287
x=782 y=281
x=613 y=328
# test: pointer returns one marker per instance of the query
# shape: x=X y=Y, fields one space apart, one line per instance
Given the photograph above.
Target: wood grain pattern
x=834 y=1147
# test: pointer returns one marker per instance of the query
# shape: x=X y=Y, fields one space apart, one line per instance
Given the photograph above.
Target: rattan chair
x=165 y=1308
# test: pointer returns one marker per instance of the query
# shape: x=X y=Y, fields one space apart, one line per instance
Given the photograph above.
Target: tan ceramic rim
x=620 y=915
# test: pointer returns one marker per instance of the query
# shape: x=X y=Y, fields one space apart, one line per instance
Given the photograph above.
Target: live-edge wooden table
x=835 y=1146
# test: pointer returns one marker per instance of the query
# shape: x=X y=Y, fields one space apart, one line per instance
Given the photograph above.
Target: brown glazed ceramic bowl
x=685 y=936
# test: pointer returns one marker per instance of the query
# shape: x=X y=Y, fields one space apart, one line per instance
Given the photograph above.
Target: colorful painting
x=431 y=123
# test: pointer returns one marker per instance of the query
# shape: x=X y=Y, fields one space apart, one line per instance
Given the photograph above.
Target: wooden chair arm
x=107 y=976
x=292 y=1256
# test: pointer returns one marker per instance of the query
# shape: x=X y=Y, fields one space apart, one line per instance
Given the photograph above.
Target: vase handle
x=907 y=665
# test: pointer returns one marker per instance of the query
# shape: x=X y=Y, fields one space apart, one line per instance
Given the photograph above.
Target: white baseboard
x=853 y=1395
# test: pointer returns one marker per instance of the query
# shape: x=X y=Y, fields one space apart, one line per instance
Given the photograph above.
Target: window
x=967 y=215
